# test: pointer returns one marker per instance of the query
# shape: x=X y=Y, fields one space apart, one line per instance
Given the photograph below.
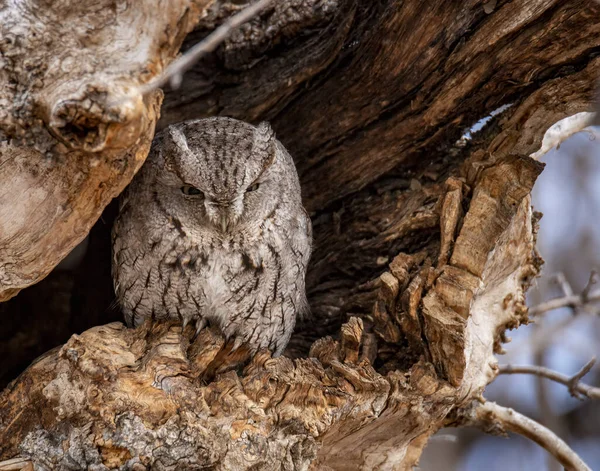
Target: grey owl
x=212 y=229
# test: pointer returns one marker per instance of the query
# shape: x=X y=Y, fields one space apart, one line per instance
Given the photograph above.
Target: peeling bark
x=424 y=243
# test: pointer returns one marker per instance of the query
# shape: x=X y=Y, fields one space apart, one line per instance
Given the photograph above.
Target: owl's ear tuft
x=174 y=143
x=178 y=139
x=265 y=136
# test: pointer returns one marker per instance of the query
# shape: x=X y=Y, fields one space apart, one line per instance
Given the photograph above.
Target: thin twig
x=174 y=72
x=569 y=299
x=588 y=287
x=573 y=301
x=493 y=418
x=578 y=303
x=577 y=377
x=564 y=284
x=576 y=387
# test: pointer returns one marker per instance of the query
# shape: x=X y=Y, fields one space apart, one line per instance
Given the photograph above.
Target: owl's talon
x=200 y=324
x=237 y=344
x=186 y=321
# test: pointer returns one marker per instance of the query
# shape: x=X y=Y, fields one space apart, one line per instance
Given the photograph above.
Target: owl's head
x=219 y=172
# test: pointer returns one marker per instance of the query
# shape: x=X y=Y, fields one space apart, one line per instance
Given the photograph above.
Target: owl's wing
x=302 y=245
x=306 y=228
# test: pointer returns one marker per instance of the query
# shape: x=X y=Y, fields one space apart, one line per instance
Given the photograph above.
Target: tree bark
x=424 y=242
x=72 y=127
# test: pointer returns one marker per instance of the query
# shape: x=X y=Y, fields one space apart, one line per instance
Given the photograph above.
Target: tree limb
x=569 y=299
x=566 y=301
x=576 y=387
x=497 y=419
x=174 y=72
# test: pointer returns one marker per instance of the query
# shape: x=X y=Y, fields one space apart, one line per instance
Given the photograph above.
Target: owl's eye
x=190 y=190
x=253 y=187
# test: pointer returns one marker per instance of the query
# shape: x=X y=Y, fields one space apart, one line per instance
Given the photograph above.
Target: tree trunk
x=424 y=238
x=73 y=128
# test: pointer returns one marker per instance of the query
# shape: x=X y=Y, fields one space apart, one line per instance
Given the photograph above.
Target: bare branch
x=174 y=72
x=576 y=387
x=564 y=284
x=569 y=299
x=588 y=287
x=578 y=303
x=497 y=419
x=585 y=369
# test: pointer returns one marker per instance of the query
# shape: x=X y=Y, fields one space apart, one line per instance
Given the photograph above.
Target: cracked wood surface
x=368 y=88
x=151 y=398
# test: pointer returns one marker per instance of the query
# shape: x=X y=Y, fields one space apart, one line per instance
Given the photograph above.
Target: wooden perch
x=118 y=397
x=424 y=243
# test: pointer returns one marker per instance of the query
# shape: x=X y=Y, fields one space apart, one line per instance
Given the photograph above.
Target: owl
x=212 y=230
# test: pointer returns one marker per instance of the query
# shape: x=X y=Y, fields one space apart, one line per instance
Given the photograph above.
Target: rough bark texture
x=73 y=129
x=118 y=398
x=424 y=243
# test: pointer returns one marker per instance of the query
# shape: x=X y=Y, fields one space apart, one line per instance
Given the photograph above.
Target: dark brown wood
x=383 y=85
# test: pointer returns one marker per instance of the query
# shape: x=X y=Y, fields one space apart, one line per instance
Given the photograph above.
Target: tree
x=424 y=235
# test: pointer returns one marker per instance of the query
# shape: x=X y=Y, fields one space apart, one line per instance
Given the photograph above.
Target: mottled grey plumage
x=233 y=255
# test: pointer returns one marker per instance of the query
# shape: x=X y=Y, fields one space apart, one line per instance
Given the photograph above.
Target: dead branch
x=579 y=304
x=498 y=420
x=574 y=301
x=585 y=293
x=576 y=387
x=174 y=72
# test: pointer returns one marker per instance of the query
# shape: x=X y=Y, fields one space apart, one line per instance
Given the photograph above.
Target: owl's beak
x=224 y=221
x=223 y=215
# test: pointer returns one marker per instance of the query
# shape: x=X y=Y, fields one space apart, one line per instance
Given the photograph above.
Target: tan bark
x=73 y=130
x=116 y=397
x=424 y=244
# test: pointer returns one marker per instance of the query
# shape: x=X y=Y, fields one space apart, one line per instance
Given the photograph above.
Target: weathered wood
x=364 y=89
x=116 y=397
x=380 y=105
x=424 y=243
x=73 y=131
